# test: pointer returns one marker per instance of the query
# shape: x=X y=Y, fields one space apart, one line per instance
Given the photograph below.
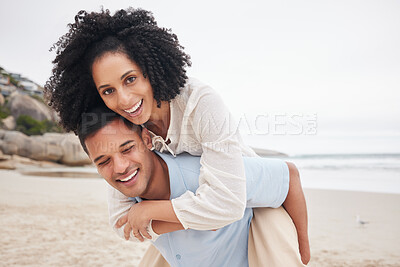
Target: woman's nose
x=123 y=99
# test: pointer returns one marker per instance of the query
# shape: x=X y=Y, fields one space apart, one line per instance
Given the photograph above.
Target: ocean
x=357 y=162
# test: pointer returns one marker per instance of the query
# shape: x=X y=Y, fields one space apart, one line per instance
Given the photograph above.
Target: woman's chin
x=138 y=120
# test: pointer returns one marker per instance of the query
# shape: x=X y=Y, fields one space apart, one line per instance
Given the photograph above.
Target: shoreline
x=64 y=221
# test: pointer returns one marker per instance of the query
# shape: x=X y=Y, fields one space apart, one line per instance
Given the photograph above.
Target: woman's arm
x=140 y=216
x=209 y=129
x=160 y=227
x=120 y=206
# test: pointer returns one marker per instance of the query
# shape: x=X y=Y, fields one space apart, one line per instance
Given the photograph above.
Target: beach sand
x=64 y=222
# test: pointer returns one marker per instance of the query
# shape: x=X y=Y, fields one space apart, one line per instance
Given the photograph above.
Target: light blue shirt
x=267 y=186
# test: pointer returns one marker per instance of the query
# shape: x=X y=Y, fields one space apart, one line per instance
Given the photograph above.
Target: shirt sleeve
x=221 y=196
x=118 y=206
x=267 y=182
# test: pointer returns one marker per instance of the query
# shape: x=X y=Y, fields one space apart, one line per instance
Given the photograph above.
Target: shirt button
x=178 y=257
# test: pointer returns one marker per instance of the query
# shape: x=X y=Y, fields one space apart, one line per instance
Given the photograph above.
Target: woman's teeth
x=135 y=107
x=129 y=177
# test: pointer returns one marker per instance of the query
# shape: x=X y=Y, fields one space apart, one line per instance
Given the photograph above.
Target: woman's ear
x=147 y=138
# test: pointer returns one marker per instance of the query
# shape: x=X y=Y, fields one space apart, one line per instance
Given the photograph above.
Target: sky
x=338 y=61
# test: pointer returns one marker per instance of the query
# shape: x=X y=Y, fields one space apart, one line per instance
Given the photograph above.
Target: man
x=122 y=154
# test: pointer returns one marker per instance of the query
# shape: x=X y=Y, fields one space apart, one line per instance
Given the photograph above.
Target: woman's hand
x=136 y=221
x=140 y=214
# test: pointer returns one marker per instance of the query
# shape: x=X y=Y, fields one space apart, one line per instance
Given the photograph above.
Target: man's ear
x=146 y=138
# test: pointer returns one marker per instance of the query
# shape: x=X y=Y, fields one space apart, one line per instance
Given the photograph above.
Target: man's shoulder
x=183 y=170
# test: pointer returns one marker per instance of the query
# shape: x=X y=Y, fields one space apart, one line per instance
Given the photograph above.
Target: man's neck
x=159 y=188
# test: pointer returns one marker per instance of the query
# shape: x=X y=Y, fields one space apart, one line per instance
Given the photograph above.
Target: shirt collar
x=176 y=182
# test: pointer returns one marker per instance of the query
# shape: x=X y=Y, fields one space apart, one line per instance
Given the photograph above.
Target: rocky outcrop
x=20 y=104
x=2 y=100
x=9 y=123
x=55 y=147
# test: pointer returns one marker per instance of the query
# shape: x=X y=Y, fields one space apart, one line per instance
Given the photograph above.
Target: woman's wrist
x=160 y=210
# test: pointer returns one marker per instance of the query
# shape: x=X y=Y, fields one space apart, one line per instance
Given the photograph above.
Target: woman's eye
x=108 y=91
x=130 y=79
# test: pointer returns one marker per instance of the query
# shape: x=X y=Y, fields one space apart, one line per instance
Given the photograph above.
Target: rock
x=6 y=162
x=15 y=143
x=2 y=133
x=46 y=148
x=9 y=123
x=63 y=148
x=8 y=165
x=2 y=156
x=73 y=151
x=25 y=105
x=2 y=100
x=22 y=160
x=56 y=147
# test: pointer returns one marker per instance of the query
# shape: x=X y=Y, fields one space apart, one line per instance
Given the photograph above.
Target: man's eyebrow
x=127 y=142
x=98 y=158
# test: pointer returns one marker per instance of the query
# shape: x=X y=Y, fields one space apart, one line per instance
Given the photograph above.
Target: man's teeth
x=134 y=108
x=129 y=177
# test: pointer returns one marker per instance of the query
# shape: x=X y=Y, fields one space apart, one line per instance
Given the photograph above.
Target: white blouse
x=201 y=125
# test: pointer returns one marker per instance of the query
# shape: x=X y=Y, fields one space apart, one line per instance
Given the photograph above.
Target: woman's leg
x=153 y=258
x=273 y=239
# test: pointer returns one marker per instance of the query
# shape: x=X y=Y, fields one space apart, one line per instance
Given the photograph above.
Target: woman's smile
x=136 y=110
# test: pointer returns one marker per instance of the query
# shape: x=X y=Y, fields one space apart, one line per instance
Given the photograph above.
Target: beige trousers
x=272 y=242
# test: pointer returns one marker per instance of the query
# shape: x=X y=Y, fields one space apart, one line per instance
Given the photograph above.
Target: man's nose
x=120 y=164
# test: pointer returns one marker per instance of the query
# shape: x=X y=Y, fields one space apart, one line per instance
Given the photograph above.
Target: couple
x=137 y=69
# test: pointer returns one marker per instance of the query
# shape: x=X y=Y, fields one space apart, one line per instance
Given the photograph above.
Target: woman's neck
x=159 y=120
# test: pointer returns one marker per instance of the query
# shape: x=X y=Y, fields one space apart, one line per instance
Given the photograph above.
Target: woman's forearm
x=161 y=227
x=160 y=210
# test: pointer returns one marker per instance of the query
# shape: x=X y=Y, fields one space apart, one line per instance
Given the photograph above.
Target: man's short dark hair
x=97 y=118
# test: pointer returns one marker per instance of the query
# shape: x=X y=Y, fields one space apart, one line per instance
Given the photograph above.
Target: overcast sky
x=338 y=59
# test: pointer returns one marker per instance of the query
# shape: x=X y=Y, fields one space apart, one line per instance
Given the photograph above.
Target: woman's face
x=123 y=88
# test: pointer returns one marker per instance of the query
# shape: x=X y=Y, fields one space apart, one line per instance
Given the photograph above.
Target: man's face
x=122 y=157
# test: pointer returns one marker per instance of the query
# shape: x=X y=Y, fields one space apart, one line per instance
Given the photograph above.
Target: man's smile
x=129 y=179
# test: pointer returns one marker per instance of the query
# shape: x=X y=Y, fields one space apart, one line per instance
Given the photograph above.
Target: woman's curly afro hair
x=71 y=90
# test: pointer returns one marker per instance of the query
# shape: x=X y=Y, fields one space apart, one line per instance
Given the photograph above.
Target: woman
x=138 y=70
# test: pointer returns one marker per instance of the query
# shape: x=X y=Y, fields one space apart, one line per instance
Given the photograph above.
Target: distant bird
x=359 y=221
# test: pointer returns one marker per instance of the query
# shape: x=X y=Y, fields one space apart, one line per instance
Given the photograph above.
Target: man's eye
x=127 y=149
x=104 y=162
x=130 y=79
x=108 y=91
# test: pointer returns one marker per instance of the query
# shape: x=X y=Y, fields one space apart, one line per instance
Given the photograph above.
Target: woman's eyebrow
x=126 y=73
x=122 y=77
x=101 y=86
